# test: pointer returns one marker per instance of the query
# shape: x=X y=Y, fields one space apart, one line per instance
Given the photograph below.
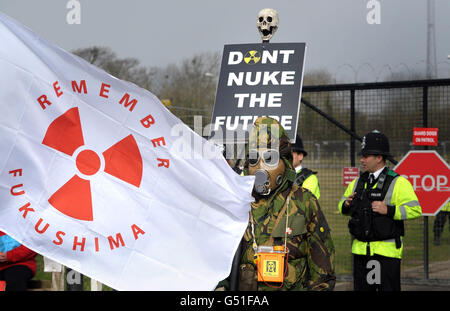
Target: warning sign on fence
x=348 y=174
x=425 y=136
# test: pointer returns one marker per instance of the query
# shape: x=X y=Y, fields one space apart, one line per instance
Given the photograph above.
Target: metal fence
x=332 y=121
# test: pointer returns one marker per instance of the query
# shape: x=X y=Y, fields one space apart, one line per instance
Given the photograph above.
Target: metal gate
x=332 y=121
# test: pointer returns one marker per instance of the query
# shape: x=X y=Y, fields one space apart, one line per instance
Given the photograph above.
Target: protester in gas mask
x=287 y=244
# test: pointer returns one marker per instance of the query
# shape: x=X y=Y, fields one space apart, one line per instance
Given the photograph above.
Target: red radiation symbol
x=122 y=160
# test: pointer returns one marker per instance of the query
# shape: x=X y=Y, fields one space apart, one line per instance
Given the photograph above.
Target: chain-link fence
x=393 y=108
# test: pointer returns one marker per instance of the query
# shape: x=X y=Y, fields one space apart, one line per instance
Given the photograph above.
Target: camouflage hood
x=268 y=133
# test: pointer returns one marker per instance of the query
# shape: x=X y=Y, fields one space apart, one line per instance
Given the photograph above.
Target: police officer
x=378 y=202
x=305 y=178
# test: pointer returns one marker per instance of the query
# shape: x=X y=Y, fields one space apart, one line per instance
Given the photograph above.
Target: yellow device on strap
x=270 y=263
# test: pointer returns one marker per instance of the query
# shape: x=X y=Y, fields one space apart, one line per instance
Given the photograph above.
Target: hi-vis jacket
x=401 y=195
x=311 y=183
x=446 y=208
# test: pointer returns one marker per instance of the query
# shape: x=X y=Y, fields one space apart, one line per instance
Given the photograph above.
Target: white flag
x=96 y=174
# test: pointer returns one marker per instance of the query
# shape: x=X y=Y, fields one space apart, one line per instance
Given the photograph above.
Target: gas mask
x=267 y=167
x=268 y=156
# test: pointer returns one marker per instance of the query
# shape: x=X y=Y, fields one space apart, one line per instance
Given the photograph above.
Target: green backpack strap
x=384 y=184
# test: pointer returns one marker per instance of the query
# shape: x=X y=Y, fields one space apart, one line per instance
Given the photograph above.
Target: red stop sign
x=430 y=176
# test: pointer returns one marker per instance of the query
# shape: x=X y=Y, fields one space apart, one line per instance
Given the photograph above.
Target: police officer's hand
x=379 y=207
x=349 y=199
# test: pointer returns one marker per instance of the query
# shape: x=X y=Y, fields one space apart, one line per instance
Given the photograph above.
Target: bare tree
x=191 y=85
x=318 y=77
x=128 y=69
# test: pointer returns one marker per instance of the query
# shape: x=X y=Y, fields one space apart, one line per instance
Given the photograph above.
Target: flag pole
x=234 y=275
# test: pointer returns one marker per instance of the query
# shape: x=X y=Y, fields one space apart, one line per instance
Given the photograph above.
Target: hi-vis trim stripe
x=403 y=213
x=354 y=185
x=392 y=240
x=403 y=208
x=388 y=197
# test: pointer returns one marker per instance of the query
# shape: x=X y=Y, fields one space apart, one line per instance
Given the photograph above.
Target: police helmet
x=375 y=143
x=298 y=146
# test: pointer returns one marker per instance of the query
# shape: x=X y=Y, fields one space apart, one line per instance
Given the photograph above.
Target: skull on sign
x=267 y=23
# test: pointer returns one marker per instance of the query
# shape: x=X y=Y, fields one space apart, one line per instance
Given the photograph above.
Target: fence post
x=58 y=280
x=57 y=270
x=425 y=218
x=352 y=153
x=96 y=286
x=352 y=128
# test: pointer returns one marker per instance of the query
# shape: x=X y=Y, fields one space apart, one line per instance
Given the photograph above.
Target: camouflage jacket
x=311 y=249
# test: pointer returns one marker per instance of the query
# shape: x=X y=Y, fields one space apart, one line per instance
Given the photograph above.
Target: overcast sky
x=338 y=36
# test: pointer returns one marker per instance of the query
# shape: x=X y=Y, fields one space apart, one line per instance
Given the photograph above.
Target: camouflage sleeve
x=320 y=249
